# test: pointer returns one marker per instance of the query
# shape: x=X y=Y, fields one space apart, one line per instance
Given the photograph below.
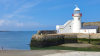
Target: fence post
x=89 y=39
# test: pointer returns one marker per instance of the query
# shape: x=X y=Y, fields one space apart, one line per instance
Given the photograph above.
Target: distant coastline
x=4 y=31
x=12 y=31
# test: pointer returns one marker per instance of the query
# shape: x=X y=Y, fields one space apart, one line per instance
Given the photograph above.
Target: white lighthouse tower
x=76 y=20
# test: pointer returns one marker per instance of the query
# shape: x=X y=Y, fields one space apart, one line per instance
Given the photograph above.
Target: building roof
x=89 y=27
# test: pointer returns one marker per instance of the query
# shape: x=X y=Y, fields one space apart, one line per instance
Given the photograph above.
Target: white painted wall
x=58 y=28
x=88 y=30
x=65 y=28
x=77 y=24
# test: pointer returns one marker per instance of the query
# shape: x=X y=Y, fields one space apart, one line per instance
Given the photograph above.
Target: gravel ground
x=30 y=52
x=46 y=53
x=76 y=54
x=77 y=45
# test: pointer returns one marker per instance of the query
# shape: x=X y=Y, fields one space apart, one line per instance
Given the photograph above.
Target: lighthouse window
x=76 y=11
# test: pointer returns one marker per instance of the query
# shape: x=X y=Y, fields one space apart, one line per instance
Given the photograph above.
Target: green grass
x=67 y=48
x=84 y=39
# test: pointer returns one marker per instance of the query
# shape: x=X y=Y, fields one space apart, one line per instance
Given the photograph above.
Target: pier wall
x=46 y=40
x=57 y=39
x=46 y=32
x=92 y=24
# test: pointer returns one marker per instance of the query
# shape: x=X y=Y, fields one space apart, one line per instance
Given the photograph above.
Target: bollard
x=89 y=39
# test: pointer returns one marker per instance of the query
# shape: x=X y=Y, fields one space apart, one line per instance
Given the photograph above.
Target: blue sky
x=33 y=15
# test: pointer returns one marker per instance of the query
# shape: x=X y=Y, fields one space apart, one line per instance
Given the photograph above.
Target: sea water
x=16 y=40
x=20 y=40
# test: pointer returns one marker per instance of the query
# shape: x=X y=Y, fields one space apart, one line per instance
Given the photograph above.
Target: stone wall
x=84 y=35
x=46 y=32
x=92 y=36
x=57 y=39
x=92 y=24
x=68 y=38
x=46 y=40
x=52 y=40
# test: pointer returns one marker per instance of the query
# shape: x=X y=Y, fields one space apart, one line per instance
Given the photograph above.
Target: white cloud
x=8 y=23
x=25 y=6
x=19 y=24
x=15 y=23
x=14 y=9
x=1 y=22
x=17 y=7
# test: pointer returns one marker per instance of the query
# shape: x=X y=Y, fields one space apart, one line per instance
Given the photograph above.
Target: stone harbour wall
x=46 y=32
x=57 y=39
x=46 y=40
x=92 y=24
x=68 y=38
x=85 y=35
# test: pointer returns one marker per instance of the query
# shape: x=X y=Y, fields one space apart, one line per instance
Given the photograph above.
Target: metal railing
x=77 y=14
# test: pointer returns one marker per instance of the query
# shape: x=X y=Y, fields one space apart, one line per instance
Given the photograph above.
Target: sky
x=34 y=15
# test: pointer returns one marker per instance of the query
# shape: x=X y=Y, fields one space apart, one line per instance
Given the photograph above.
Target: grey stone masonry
x=46 y=32
x=92 y=24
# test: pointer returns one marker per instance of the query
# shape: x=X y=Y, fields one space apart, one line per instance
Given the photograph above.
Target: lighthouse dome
x=76 y=9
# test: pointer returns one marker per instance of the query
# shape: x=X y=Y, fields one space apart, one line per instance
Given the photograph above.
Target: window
x=76 y=12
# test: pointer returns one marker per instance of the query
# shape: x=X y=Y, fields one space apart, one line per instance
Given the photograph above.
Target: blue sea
x=16 y=40
x=20 y=40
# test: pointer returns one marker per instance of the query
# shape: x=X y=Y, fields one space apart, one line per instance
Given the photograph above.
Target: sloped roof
x=89 y=27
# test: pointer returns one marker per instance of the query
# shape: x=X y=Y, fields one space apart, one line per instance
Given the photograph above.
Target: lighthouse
x=76 y=20
x=74 y=26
